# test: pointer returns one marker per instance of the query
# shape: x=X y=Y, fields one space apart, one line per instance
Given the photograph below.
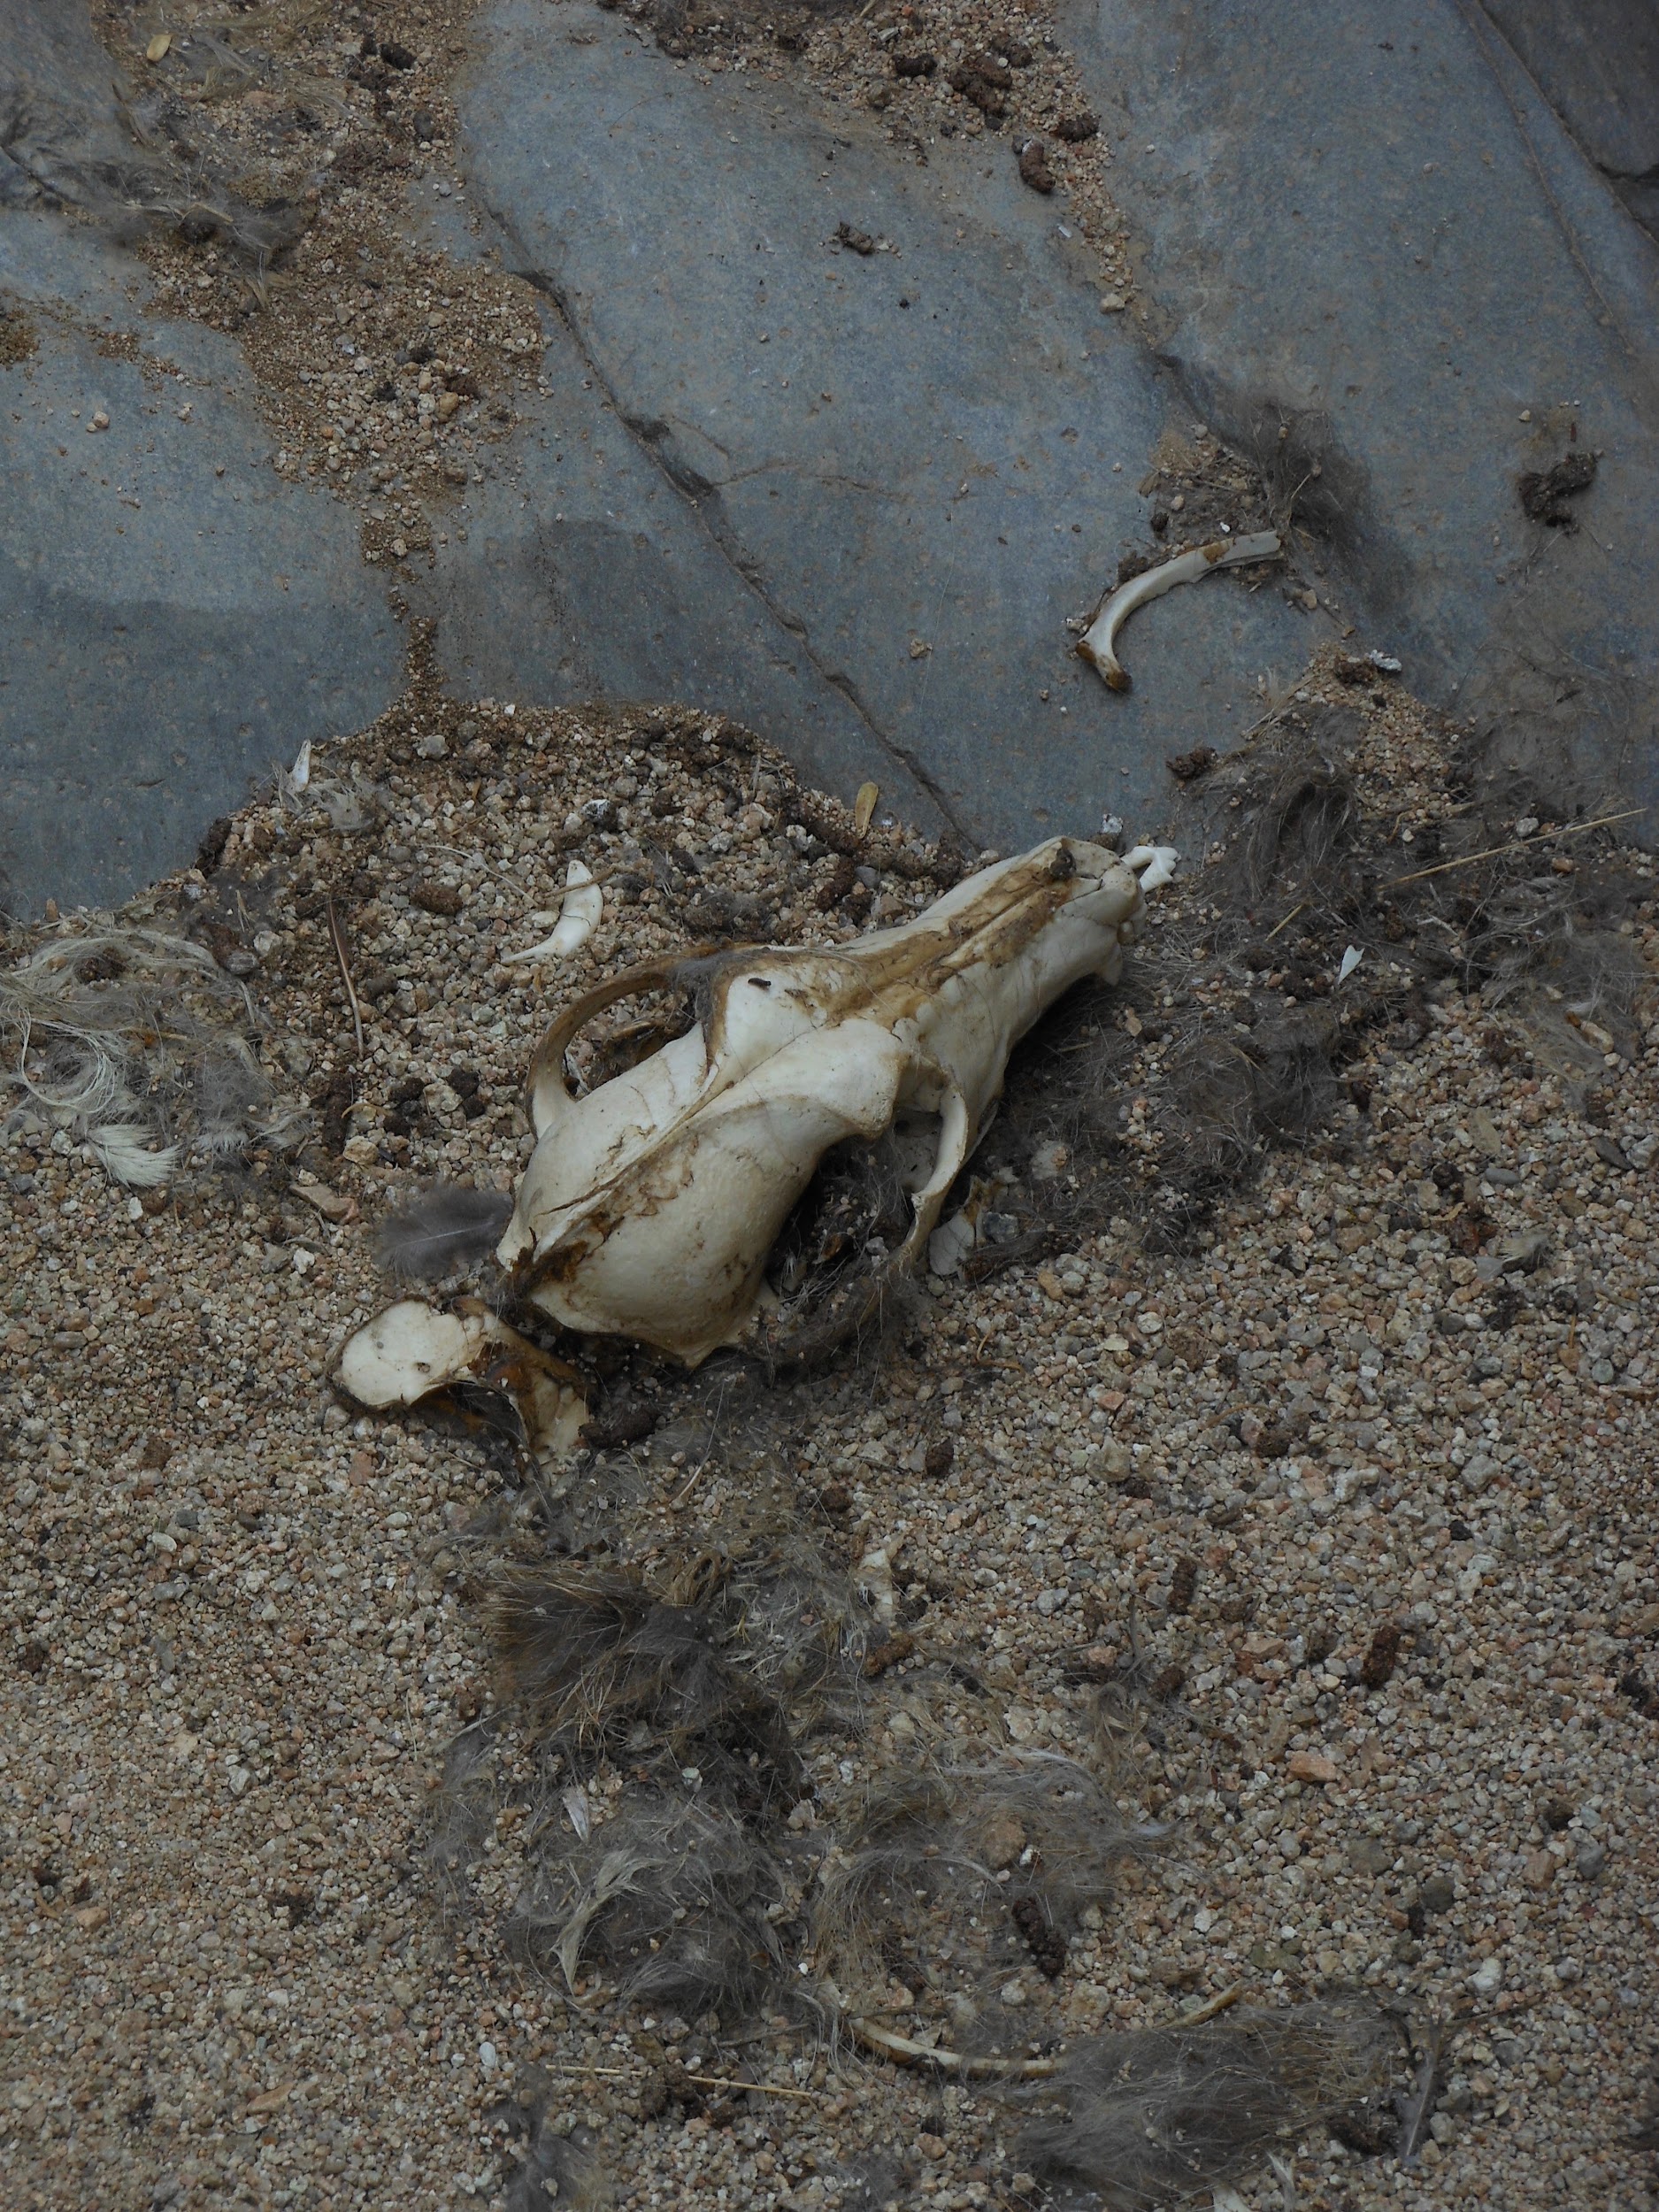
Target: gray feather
x=441 y=1229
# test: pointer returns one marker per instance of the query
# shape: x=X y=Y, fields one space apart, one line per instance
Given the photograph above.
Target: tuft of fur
x=125 y=1149
x=1007 y=1855
x=75 y=134
x=139 y=1044
x=561 y=2164
x=711 y=1668
x=671 y=1893
x=697 y=1681
x=1242 y=1019
x=467 y=1807
x=440 y=1230
x=1157 y=2115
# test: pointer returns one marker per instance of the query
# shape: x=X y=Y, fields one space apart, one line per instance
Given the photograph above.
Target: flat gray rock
x=1597 y=64
x=586 y=574
x=1365 y=225
x=175 y=619
x=852 y=500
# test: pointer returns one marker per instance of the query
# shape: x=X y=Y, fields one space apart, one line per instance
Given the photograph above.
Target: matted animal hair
x=1153 y=2115
x=140 y=1045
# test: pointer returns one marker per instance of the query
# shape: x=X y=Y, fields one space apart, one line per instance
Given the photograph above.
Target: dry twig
x=702 y=2081
x=1210 y=2007
x=1516 y=845
x=337 y=937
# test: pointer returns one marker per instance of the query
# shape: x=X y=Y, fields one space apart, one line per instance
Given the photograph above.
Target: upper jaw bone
x=649 y=1206
x=411 y=1352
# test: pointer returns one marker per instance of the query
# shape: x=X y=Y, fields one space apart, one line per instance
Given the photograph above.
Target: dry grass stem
x=1517 y=845
x=337 y=937
x=980 y=2067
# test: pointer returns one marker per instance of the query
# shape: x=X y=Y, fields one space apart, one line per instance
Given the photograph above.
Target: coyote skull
x=650 y=1205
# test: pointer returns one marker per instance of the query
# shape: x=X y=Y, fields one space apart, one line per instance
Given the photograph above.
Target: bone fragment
x=1097 y=643
x=578 y=916
x=412 y=1352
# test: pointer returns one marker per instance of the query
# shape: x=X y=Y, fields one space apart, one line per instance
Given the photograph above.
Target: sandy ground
x=1313 y=1522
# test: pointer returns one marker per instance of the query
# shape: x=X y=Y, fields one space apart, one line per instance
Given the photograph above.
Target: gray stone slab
x=175 y=619
x=585 y=574
x=59 y=132
x=1597 y=64
x=1368 y=225
x=855 y=498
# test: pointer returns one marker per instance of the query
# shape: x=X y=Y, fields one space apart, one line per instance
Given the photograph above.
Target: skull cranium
x=650 y=1205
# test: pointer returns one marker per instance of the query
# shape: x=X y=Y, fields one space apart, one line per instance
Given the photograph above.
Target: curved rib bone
x=1096 y=645
x=580 y=913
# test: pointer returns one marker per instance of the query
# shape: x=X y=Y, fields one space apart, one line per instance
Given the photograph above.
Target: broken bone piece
x=650 y=1205
x=580 y=911
x=1096 y=645
x=874 y=1577
x=1154 y=865
x=413 y=1353
x=950 y=1244
x=293 y=783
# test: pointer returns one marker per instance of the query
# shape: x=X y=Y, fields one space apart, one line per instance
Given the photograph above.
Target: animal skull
x=649 y=1206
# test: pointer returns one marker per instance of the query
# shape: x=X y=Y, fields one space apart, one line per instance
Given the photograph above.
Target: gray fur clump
x=440 y=1230
x=1155 y=2115
x=140 y=1047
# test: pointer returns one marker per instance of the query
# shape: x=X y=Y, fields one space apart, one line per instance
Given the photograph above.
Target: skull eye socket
x=600 y=1054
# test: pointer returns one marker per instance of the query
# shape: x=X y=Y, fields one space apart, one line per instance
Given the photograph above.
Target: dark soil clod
x=1544 y=493
x=1382 y=1657
x=1034 y=165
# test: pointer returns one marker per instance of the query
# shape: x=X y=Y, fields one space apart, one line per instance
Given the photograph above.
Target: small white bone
x=578 y=916
x=874 y=1576
x=1154 y=865
x=1095 y=646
